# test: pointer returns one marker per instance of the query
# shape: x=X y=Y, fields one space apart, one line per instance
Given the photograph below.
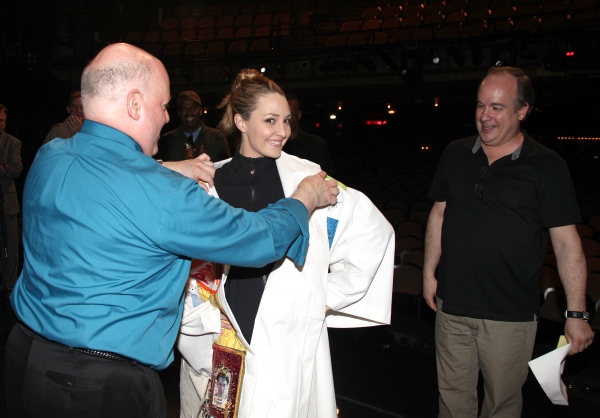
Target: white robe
x=288 y=366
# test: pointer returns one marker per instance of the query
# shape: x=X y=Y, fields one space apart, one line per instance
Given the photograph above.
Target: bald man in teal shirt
x=108 y=236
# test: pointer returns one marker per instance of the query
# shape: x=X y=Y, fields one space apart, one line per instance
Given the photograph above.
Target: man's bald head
x=128 y=89
x=114 y=69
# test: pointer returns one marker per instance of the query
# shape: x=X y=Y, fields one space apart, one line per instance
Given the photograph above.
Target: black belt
x=102 y=354
x=97 y=353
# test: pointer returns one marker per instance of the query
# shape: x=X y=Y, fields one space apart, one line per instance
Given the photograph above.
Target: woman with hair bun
x=279 y=310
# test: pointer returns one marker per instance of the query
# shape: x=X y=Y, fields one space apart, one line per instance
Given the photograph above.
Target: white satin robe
x=288 y=367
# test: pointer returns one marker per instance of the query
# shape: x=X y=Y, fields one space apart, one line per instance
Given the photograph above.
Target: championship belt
x=224 y=389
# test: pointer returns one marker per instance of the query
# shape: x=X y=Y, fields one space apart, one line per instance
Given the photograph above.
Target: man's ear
x=299 y=114
x=240 y=122
x=68 y=110
x=134 y=104
x=523 y=112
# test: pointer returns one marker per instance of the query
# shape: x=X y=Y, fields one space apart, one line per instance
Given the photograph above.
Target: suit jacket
x=171 y=146
x=10 y=154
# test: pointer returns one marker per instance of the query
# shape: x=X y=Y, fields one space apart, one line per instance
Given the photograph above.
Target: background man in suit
x=193 y=132
x=10 y=169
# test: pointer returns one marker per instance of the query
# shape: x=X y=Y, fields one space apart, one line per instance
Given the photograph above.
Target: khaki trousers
x=500 y=349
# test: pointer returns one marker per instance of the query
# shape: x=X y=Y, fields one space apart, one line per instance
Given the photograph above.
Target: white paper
x=548 y=370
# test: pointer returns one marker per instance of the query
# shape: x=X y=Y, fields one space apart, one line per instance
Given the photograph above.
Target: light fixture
x=436 y=102
x=332 y=116
x=436 y=61
x=263 y=69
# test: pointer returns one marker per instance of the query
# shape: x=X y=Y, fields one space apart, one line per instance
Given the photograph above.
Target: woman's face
x=265 y=133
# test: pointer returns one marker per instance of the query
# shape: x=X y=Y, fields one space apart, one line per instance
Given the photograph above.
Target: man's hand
x=579 y=334
x=429 y=292
x=314 y=191
x=200 y=169
x=74 y=124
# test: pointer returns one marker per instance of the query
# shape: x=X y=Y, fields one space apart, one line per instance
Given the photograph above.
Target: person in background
x=281 y=310
x=304 y=145
x=193 y=137
x=72 y=124
x=11 y=167
x=108 y=235
x=498 y=195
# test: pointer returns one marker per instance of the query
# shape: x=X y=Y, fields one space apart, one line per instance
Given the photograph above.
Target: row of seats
x=301 y=19
x=202 y=35
x=382 y=4
x=192 y=49
x=217 y=10
x=421 y=8
x=459 y=16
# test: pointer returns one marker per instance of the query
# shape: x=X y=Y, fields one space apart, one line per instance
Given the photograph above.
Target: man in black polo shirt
x=497 y=197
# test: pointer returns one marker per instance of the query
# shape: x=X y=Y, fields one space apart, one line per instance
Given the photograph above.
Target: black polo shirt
x=493 y=246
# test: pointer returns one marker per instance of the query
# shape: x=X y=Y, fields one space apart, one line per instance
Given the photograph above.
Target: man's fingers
x=431 y=303
x=205 y=158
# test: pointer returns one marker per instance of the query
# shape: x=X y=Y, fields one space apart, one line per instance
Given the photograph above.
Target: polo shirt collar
x=526 y=144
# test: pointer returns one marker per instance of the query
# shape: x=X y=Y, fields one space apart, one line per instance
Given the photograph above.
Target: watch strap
x=578 y=314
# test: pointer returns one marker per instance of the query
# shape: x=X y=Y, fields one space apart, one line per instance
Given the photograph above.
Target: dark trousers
x=45 y=379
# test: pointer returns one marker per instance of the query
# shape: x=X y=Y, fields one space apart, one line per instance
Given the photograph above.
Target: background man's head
x=296 y=113
x=75 y=105
x=128 y=89
x=2 y=118
x=504 y=99
x=189 y=109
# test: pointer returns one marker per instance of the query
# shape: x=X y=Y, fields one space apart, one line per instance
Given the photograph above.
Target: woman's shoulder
x=299 y=164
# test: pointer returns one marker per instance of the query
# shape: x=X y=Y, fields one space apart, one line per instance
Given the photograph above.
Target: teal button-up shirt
x=108 y=235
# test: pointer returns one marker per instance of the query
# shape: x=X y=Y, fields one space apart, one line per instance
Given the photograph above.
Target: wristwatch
x=578 y=314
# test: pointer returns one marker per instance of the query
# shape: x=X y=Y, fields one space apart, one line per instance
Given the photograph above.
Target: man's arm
x=313 y=192
x=199 y=168
x=433 y=251
x=573 y=274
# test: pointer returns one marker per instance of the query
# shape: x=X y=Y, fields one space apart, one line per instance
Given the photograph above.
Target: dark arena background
x=388 y=84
